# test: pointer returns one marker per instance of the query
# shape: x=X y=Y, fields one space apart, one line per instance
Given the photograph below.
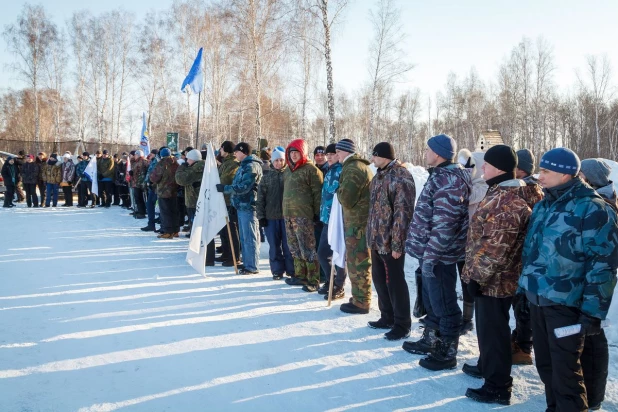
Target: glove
x=99 y=176
x=263 y=222
x=131 y=173
x=590 y=325
x=474 y=289
x=220 y=188
x=316 y=219
x=427 y=269
x=196 y=185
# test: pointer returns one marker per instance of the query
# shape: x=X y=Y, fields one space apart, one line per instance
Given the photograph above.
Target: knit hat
x=443 y=145
x=30 y=156
x=526 y=161
x=596 y=171
x=228 y=146
x=132 y=153
x=319 y=149
x=86 y=154
x=165 y=152
x=331 y=148
x=139 y=153
x=54 y=155
x=154 y=151
x=277 y=154
x=502 y=157
x=561 y=160
x=105 y=151
x=243 y=147
x=66 y=156
x=346 y=145
x=194 y=155
x=385 y=150
x=188 y=149
x=280 y=148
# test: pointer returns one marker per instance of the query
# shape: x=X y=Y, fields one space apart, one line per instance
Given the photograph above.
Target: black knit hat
x=319 y=149
x=228 y=146
x=105 y=151
x=243 y=147
x=385 y=150
x=86 y=154
x=331 y=148
x=502 y=157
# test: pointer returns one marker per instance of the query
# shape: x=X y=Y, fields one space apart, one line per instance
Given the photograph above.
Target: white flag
x=336 y=234
x=210 y=214
x=91 y=172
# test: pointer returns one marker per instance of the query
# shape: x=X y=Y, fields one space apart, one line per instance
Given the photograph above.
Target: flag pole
x=199 y=103
x=330 y=284
x=229 y=235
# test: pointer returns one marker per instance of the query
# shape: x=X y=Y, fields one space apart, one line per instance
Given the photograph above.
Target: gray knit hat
x=526 y=161
x=346 y=145
x=596 y=171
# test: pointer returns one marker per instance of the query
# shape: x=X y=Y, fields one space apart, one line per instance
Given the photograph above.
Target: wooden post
x=330 y=284
x=229 y=234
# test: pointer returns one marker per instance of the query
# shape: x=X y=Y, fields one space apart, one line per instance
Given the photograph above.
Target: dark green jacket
x=270 y=195
x=227 y=171
x=302 y=191
x=190 y=177
x=353 y=192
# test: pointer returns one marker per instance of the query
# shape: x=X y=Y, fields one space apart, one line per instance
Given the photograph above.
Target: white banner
x=336 y=234
x=91 y=172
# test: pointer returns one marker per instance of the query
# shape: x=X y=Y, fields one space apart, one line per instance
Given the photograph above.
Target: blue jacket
x=571 y=251
x=79 y=170
x=329 y=188
x=244 y=187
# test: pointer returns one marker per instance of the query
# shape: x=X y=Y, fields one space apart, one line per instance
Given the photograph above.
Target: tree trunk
x=329 y=73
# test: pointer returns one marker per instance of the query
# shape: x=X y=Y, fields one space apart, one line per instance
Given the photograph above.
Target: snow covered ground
x=96 y=315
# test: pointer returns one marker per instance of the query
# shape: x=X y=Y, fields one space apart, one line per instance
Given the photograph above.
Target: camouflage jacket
x=68 y=171
x=439 y=228
x=329 y=188
x=571 y=250
x=496 y=239
x=120 y=177
x=392 y=205
x=52 y=173
x=270 y=195
x=139 y=168
x=353 y=192
x=30 y=173
x=302 y=192
x=106 y=168
x=188 y=175
x=244 y=186
x=164 y=176
x=80 y=168
x=227 y=171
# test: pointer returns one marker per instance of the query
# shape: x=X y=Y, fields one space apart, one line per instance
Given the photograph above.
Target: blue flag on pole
x=144 y=143
x=195 y=78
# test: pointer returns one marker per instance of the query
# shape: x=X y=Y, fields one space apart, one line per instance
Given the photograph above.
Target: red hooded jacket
x=301 y=146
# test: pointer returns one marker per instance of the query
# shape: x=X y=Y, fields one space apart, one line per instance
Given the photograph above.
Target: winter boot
x=485 y=394
x=472 y=370
x=519 y=356
x=324 y=289
x=353 y=309
x=338 y=293
x=468 y=318
x=310 y=288
x=398 y=332
x=425 y=345
x=380 y=324
x=295 y=281
x=444 y=355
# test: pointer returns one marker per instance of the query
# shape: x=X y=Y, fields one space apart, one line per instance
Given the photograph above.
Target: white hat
x=194 y=155
x=66 y=156
x=277 y=154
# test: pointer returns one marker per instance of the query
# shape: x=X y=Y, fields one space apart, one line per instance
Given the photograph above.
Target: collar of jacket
x=443 y=164
x=607 y=192
x=556 y=192
x=382 y=172
x=496 y=180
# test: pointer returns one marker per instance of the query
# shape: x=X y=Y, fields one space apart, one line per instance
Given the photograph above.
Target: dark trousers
x=116 y=193
x=595 y=363
x=317 y=232
x=279 y=255
x=191 y=216
x=389 y=280
x=9 y=194
x=210 y=253
x=325 y=256
x=68 y=195
x=226 y=251
x=140 y=202
x=182 y=211
x=522 y=334
x=85 y=193
x=464 y=286
x=106 y=187
x=150 y=206
x=494 y=338
x=31 y=197
x=123 y=194
x=168 y=208
x=42 y=190
x=558 y=359
x=440 y=300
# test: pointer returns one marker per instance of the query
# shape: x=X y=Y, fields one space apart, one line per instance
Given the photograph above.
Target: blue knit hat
x=165 y=152
x=561 y=160
x=346 y=145
x=443 y=145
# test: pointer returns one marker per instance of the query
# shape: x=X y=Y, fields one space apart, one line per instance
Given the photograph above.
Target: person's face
x=190 y=161
x=431 y=158
x=29 y=160
x=331 y=158
x=240 y=156
x=489 y=171
x=40 y=156
x=278 y=164
x=341 y=155
x=520 y=174
x=320 y=158
x=549 y=178
x=105 y=156
x=222 y=152
x=295 y=156
x=380 y=162
x=11 y=161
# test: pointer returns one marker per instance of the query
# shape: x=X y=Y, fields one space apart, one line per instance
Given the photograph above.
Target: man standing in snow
x=227 y=171
x=493 y=264
x=353 y=194
x=392 y=205
x=189 y=175
x=569 y=274
x=437 y=238
x=106 y=168
x=164 y=177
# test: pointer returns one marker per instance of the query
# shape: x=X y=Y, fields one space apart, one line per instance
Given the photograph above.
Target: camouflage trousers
x=358 y=260
x=301 y=242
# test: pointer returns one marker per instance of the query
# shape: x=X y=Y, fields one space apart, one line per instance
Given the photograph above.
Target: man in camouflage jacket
x=393 y=194
x=164 y=177
x=227 y=171
x=302 y=194
x=437 y=237
x=493 y=264
x=139 y=167
x=353 y=194
x=189 y=175
x=569 y=274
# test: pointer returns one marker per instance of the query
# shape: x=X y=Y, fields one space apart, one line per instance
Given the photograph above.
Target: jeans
x=440 y=300
x=278 y=252
x=52 y=191
x=150 y=206
x=249 y=239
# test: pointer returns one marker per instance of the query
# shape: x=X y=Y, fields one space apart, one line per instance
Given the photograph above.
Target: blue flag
x=144 y=143
x=195 y=78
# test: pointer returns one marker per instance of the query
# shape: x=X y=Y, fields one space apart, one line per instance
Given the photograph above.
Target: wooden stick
x=330 y=284
x=229 y=234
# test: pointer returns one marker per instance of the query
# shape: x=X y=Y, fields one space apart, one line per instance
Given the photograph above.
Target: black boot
x=472 y=370
x=423 y=346
x=338 y=293
x=487 y=395
x=380 y=324
x=148 y=228
x=398 y=332
x=444 y=355
x=468 y=318
x=324 y=289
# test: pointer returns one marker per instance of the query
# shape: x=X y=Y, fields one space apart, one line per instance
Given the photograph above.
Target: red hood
x=301 y=146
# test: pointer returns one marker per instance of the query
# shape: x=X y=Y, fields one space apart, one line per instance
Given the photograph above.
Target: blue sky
x=443 y=36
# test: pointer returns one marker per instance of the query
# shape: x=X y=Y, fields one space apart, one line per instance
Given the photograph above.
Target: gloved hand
x=474 y=289
x=590 y=325
x=220 y=188
x=316 y=219
x=131 y=173
x=427 y=269
x=263 y=222
x=99 y=176
x=196 y=185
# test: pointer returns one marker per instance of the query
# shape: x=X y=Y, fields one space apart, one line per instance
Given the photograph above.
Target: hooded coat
x=80 y=168
x=302 y=192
